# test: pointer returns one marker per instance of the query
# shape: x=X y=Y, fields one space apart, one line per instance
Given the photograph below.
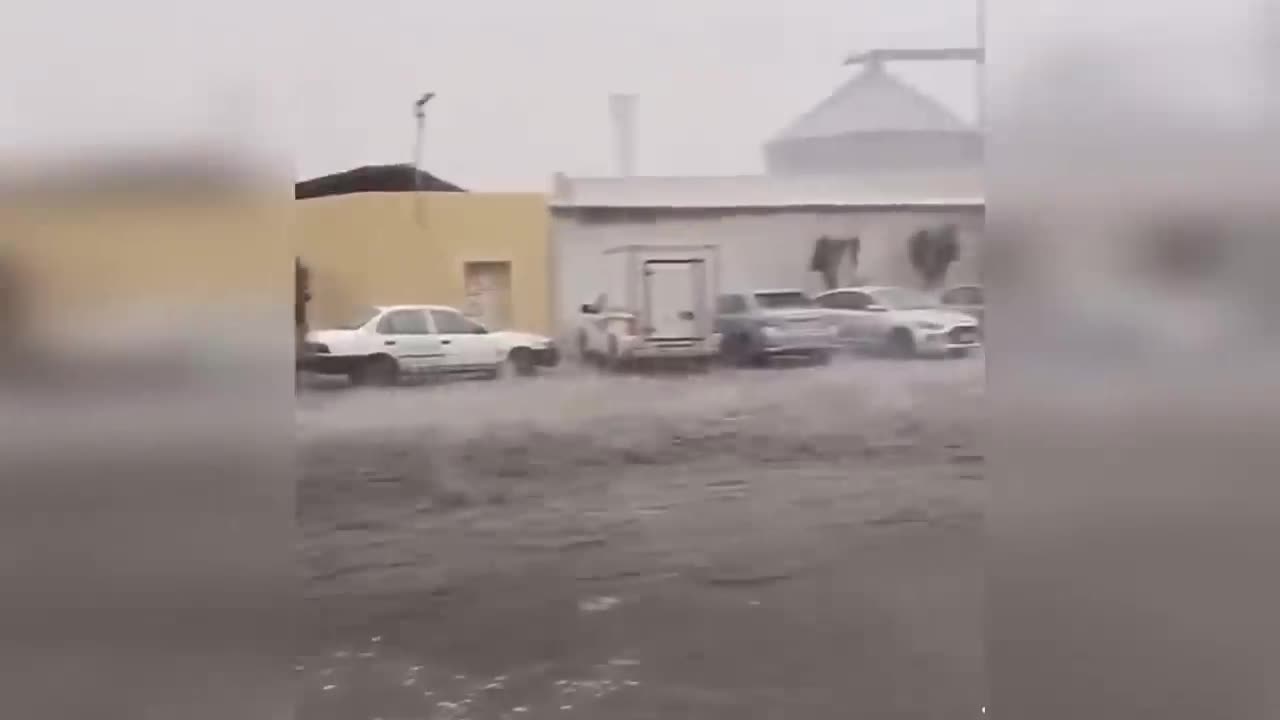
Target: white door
x=466 y=345
x=673 y=295
x=406 y=336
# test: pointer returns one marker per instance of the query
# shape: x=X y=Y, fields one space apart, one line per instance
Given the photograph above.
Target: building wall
x=875 y=152
x=378 y=248
x=104 y=262
x=758 y=249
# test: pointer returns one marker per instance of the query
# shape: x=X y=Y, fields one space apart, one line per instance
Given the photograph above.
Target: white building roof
x=874 y=101
x=907 y=189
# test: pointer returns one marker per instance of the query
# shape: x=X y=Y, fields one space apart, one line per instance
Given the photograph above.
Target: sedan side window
x=452 y=323
x=844 y=301
x=829 y=301
x=731 y=304
x=962 y=296
x=856 y=301
x=404 y=322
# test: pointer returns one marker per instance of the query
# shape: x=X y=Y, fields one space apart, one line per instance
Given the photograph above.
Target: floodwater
x=780 y=543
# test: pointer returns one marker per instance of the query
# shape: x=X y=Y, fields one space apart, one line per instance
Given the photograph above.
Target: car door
x=466 y=344
x=848 y=310
x=406 y=335
x=879 y=319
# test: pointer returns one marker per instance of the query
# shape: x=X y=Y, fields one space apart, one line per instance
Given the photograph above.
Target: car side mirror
x=876 y=308
x=589 y=309
x=479 y=330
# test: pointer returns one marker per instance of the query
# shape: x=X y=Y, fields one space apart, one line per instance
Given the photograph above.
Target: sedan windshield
x=358 y=319
x=904 y=299
x=783 y=300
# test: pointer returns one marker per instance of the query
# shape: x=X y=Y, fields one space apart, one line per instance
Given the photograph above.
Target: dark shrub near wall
x=932 y=252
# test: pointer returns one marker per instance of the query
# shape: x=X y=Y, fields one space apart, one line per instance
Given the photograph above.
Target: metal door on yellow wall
x=488 y=290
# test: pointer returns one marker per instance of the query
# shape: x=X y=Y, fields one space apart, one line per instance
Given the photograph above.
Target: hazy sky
x=522 y=86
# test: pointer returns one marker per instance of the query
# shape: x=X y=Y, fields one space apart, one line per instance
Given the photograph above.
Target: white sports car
x=902 y=321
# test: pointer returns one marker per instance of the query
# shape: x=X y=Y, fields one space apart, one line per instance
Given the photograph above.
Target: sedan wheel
x=902 y=344
x=520 y=362
x=380 y=370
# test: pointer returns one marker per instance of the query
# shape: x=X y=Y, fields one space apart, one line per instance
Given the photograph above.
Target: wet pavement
x=834 y=579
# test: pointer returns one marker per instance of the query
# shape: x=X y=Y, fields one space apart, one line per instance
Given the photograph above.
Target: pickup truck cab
x=380 y=344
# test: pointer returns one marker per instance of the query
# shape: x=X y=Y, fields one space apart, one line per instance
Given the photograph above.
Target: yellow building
x=485 y=253
x=87 y=257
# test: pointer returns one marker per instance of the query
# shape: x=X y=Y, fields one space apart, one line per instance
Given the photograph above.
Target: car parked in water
x=898 y=320
x=967 y=299
x=381 y=344
x=760 y=325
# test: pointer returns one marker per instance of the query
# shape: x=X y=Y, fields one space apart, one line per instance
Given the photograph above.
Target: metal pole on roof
x=622 y=107
x=878 y=57
x=420 y=115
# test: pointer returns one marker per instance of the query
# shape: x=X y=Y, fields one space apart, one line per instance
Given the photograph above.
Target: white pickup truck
x=657 y=304
x=380 y=344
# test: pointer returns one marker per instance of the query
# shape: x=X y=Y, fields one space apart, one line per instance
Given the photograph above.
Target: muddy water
x=802 y=543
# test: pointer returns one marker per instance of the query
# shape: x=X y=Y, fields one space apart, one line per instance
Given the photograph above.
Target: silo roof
x=874 y=101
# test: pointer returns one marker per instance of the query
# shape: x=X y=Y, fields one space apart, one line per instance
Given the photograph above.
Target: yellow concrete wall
x=81 y=259
x=377 y=249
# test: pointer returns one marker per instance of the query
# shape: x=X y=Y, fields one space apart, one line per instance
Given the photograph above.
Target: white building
x=766 y=227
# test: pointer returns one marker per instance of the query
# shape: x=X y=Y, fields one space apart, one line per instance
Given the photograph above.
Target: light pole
x=419 y=114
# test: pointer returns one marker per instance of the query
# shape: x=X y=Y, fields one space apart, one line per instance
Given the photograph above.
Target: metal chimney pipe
x=622 y=108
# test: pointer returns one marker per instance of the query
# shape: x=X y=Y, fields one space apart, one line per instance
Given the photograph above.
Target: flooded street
x=757 y=544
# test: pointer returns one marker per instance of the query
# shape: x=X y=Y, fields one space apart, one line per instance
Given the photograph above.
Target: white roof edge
x=410 y=306
x=841 y=202
x=890 y=189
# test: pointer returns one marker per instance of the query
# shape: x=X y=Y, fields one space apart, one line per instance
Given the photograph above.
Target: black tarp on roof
x=372 y=178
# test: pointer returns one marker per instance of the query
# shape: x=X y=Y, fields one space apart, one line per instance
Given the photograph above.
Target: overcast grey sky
x=522 y=86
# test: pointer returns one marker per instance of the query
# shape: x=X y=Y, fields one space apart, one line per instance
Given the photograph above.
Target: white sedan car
x=902 y=321
x=380 y=344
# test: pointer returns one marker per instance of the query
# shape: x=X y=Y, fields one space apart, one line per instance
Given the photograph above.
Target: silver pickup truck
x=764 y=324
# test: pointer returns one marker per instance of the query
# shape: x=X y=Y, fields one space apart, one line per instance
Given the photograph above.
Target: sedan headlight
x=926 y=325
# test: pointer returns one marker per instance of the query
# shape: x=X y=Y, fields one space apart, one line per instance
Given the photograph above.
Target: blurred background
x=1124 y=179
